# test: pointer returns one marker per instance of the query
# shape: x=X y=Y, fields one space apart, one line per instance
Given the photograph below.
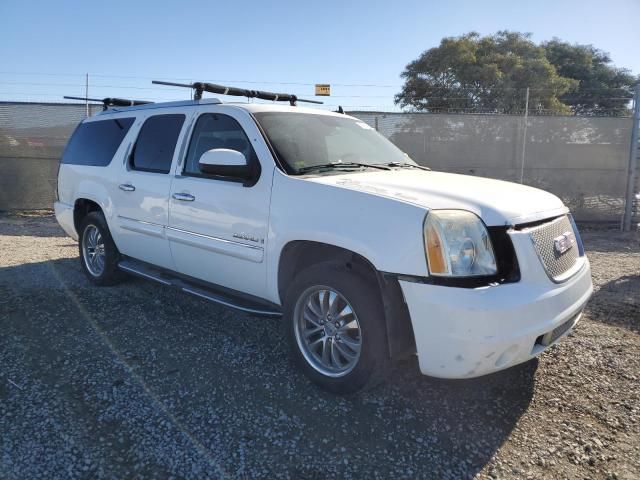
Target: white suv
x=315 y=217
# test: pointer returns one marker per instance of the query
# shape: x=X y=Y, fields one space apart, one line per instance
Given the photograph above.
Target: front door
x=218 y=226
x=142 y=193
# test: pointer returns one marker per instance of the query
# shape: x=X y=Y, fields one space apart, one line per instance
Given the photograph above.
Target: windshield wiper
x=402 y=164
x=337 y=165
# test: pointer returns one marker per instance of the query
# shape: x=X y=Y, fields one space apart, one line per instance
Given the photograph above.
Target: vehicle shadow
x=617 y=303
x=148 y=362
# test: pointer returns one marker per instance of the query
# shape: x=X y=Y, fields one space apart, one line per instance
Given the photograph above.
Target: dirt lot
x=142 y=381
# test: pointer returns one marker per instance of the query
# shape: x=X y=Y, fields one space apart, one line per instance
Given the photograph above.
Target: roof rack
x=111 y=102
x=201 y=87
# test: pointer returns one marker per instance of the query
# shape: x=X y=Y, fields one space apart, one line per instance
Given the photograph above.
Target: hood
x=495 y=201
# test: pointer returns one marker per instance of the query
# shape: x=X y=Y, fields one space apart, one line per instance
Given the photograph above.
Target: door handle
x=127 y=187
x=184 y=197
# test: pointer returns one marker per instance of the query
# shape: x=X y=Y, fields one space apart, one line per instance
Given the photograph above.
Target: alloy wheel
x=93 y=250
x=327 y=331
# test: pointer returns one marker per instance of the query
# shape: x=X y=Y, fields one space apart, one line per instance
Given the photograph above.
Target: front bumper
x=465 y=333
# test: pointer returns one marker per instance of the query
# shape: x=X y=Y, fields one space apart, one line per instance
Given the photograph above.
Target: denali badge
x=248 y=237
x=564 y=242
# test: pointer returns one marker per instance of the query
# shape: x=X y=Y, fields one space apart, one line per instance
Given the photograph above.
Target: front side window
x=156 y=143
x=95 y=143
x=303 y=140
x=214 y=130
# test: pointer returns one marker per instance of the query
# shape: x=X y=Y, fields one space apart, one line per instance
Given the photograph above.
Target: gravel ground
x=142 y=381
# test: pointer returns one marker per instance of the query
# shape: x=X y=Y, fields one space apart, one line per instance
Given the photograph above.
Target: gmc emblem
x=564 y=242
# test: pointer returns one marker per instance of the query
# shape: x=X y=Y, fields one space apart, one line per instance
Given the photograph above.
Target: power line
x=254 y=82
x=191 y=79
x=156 y=89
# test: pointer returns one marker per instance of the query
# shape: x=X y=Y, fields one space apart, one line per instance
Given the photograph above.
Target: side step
x=211 y=292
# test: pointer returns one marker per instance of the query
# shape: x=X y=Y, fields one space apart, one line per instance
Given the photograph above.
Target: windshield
x=303 y=140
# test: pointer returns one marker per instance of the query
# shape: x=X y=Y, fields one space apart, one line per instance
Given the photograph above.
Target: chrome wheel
x=93 y=250
x=327 y=331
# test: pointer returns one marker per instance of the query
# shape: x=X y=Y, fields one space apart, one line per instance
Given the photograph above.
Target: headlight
x=458 y=245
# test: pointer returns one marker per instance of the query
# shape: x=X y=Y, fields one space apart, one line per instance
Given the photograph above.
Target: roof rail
x=111 y=102
x=201 y=87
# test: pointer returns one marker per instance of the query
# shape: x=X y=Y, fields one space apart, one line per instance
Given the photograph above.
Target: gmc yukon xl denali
x=313 y=216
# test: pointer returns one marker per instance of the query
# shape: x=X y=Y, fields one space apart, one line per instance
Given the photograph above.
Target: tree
x=492 y=73
x=602 y=88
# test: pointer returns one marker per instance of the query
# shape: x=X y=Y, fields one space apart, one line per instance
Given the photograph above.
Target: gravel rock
x=142 y=381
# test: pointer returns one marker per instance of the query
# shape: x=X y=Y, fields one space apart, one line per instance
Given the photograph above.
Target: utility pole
x=86 y=94
x=524 y=135
x=632 y=171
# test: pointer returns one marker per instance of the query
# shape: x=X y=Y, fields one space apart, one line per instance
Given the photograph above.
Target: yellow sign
x=323 y=89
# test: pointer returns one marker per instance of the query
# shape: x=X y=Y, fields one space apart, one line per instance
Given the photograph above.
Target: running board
x=213 y=293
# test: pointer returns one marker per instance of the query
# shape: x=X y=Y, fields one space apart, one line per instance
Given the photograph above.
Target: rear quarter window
x=95 y=143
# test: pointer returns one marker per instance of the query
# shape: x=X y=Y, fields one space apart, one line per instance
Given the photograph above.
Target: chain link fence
x=32 y=138
x=583 y=160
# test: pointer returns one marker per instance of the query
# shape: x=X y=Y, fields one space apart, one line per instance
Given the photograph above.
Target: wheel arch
x=298 y=255
x=82 y=207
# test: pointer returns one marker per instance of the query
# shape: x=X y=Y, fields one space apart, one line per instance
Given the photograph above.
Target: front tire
x=334 y=323
x=98 y=253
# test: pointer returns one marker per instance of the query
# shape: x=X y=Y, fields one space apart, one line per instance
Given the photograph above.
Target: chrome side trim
x=200 y=235
x=141 y=226
x=140 y=221
x=218 y=239
x=229 y=304
x=143 y=274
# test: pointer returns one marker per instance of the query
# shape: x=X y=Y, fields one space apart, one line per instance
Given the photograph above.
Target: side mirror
x=225 y=163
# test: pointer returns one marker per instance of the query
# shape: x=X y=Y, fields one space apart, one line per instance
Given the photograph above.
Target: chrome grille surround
x=559 y=266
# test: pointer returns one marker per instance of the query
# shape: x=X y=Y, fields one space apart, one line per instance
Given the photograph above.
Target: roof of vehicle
x=250 y=107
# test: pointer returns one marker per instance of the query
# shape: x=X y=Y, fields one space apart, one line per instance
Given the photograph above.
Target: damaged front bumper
x=465 y=333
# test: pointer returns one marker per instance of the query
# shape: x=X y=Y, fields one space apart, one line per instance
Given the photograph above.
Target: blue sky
x=47 y=46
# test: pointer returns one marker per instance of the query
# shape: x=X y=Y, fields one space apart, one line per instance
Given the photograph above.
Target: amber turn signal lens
x=434 y=251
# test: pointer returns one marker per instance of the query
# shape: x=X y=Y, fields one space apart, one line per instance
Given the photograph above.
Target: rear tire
x=333 y=321
x=98 y=253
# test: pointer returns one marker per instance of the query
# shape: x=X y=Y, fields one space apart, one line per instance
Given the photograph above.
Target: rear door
x=218 y=226
x=144 y=181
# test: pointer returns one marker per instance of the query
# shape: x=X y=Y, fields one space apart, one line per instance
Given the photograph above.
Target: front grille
x=543 y=236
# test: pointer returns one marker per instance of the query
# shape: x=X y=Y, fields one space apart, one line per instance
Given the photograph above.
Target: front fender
x=387 y=232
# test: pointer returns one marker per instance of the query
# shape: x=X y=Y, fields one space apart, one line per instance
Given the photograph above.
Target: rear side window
x=95 y=143
x=156 y=143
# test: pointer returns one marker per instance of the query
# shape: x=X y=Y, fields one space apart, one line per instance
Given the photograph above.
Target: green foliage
x=601 y=87
x=492 y=73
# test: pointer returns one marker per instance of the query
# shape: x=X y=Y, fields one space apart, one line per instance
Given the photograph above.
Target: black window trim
x=276 y=159
x=255 y=165
x=130 y=165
